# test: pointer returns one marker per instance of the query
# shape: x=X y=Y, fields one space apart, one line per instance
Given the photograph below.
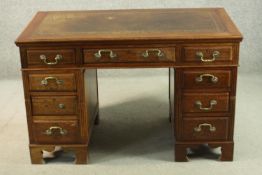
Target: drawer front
x=56 y=131
x=202 y=79
x=129 y=55
x=52 y=82
x=54 y=105
x=205 y=129
x=205 y=102
x=207 y=54
x=51 y=58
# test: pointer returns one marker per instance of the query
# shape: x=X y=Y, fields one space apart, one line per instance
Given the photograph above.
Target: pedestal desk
x=62 y=50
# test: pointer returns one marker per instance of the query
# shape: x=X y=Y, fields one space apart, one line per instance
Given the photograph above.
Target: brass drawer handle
x=57 y=59
x=158 y=52
x=51 y=130
x=215 y=55
x=213 y=78
x=199 y=127
x=98 y=55
x=211 y=104
x=61 y=106
x=44 y=82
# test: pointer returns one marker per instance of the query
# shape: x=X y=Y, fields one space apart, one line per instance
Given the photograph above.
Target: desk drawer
x=52 y=82
x=195 y=129
x=206 y=54
x=129 y=55
x=54 y=105
x=50 y=58
x=202 y=79
x=205 y=102
x=56 y=131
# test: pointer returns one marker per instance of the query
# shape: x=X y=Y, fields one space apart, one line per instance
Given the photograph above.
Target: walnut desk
x=61 y=52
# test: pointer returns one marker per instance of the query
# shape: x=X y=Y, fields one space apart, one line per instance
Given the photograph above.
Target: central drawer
x=54 y=105
x=129 y=55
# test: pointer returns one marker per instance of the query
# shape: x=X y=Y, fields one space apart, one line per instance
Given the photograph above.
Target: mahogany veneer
x=61 y=51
